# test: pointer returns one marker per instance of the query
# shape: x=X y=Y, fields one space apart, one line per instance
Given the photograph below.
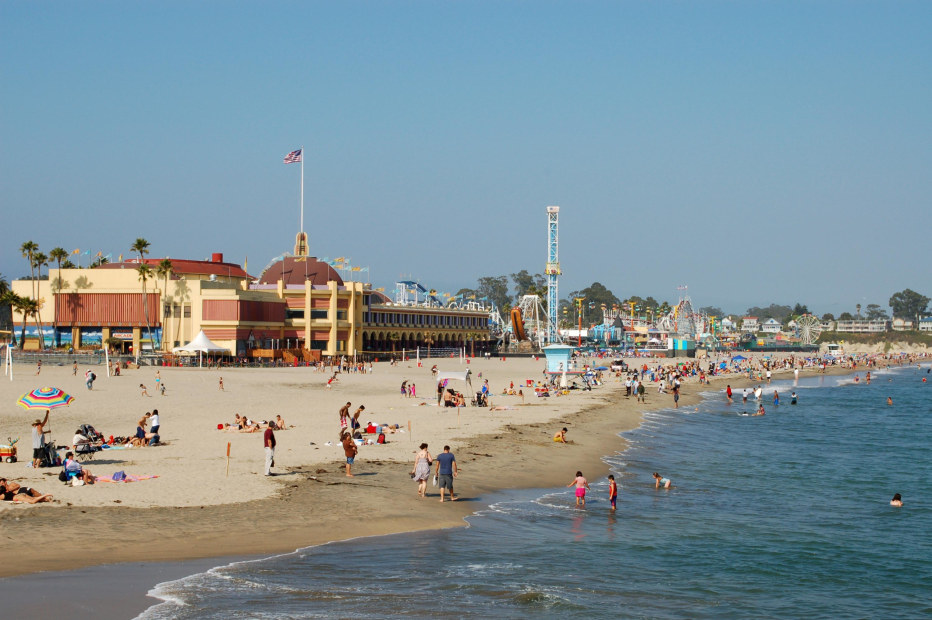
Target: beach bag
x=435 y=479
x=63 y=476
x=381 y=438
x=120 y=476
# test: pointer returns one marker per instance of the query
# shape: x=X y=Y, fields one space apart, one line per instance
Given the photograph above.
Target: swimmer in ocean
x=793 y=398
x=897 y=501
x=660 y=481
x=890 y=400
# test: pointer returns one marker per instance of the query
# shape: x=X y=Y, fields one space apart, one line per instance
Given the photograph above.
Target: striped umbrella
x=45 y=398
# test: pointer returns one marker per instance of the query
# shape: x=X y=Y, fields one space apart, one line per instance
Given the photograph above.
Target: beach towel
x=128 y=478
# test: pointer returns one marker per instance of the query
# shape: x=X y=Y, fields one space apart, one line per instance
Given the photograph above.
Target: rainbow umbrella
x=45 y=398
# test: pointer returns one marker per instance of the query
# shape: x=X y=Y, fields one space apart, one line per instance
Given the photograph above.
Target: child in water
x=612 y=491
x=661 y=481
x=897 y=501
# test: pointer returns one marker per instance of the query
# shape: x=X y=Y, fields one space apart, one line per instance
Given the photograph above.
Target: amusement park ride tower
x=553 y=271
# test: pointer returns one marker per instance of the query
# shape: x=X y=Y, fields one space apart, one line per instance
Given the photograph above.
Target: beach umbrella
x=601 y=367
x=738 y=358
x=45 y=398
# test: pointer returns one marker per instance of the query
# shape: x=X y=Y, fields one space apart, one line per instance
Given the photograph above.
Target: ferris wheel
x=808 y=328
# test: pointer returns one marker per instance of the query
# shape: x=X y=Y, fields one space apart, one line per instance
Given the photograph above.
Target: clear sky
x=757 y=151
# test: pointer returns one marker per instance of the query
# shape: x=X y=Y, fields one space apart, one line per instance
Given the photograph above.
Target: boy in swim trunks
x=612 y=491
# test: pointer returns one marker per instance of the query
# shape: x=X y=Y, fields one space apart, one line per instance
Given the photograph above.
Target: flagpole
x=302 y=188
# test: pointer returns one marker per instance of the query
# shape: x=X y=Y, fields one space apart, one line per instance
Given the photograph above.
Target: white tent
x=200 y=345
x=464 y=375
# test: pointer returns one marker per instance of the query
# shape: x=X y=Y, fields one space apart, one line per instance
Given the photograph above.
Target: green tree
x=845 y=316
x=145 y=274
x=28 y=249
x=59 y=255
x=41 y=260
x=774 y=311
x=712 y=311
x=800 y=309
x=908 y=304
x=529 y=284
x=828 y=316
x=495 y=288
x=141 y=247
x=164 y=270
x=876 y=313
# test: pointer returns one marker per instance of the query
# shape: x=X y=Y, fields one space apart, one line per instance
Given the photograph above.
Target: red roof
x=182 y=266
x=294 y=271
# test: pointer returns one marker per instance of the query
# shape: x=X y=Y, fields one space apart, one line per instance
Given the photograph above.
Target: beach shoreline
x=300 y=514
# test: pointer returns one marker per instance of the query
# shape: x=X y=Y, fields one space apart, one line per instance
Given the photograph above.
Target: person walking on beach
x=641 y=390
x=349 y=449
x=446 y=471
x=144 y=391
x=221 y=385
x=344 y=417
x=268 y=441
x=612 y=491
x=582 y=485
x=422 y=463
x=660 y=481
x=38 y=367
x=74 y=369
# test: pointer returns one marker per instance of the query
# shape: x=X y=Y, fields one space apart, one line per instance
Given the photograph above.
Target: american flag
x=293 y=157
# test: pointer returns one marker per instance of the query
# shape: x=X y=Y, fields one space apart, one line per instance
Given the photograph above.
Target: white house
x=727 y=324
x=861 y=327
x=902 y=325
x=750 y=324
x=925 y=325
x=771 y=326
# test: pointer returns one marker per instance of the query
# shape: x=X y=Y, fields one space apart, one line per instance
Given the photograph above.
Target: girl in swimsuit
x=582 y=485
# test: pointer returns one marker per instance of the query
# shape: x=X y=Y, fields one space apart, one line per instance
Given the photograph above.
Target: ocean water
x=781 y=516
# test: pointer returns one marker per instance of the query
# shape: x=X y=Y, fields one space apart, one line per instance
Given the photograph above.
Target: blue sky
x=757 y=151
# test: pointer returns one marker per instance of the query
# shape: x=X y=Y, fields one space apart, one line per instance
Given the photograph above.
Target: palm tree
x=41 y=260
x=29 y=248
x=4 y=285
x=164 y=270
x=58 y=255
x=141 y=247
x=394 y=337
x=858 y=306
x=29 y=307
x=145 y=274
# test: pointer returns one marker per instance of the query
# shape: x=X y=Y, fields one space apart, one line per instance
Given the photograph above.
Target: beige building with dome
x=298 y=304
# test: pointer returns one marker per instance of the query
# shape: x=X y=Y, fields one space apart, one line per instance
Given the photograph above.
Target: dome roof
x=294 y=271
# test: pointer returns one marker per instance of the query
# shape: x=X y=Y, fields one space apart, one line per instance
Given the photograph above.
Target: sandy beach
x=194 y=510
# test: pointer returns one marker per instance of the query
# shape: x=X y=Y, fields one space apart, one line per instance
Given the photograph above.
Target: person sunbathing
x=14 y=492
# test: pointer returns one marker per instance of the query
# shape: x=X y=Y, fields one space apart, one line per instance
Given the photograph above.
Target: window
x=294 y=313
x=318 y=314
x=341 y=315
x=318 y=345
x=187 y=312
x=176 y=311
x=167 y=312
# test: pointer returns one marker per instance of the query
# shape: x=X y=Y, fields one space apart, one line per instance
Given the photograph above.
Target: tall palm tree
x=4 y=285
x=145 y=274
x=164 y=270
x=29 y=307
x=41 y=260
x=28 y=249
x=58 y=255
x=141 y=247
